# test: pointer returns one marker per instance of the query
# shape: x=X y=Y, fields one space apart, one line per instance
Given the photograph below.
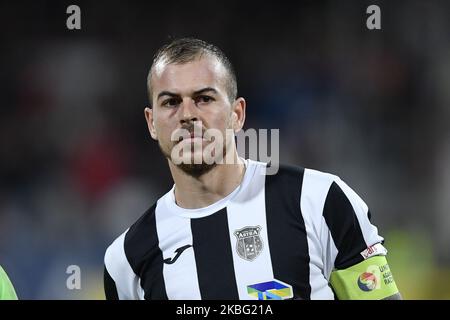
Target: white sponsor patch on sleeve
x=375 y=250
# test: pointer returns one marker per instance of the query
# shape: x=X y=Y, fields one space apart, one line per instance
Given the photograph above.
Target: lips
x=192 y=138
x=196 y=132
x=192 y=135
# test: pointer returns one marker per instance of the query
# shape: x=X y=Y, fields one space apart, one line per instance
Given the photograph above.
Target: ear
x=238 y=114
x=150 y=122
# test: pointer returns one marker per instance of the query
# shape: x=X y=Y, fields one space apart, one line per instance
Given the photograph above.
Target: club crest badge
x=249 y=243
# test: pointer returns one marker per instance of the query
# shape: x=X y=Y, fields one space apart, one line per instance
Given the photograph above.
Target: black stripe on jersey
x=341 y=219
x=286 y=230
x=145 y=257
x=213 y=257
x=110 y=286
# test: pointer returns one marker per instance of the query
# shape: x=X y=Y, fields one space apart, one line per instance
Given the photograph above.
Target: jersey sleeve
x=359 y=267
x=7 y=291
x=350 y=230
x=119 y=276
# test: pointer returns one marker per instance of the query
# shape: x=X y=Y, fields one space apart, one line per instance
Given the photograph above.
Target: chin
x=196 y=170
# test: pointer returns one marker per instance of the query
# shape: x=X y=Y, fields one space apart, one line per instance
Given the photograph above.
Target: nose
x=188 y=111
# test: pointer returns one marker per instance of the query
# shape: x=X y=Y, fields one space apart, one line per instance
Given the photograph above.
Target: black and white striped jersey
x=274 y=237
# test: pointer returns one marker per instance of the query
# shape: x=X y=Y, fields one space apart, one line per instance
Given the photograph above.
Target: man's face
x=193 y=97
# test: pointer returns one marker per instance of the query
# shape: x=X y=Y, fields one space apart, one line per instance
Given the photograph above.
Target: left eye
x=203 y=99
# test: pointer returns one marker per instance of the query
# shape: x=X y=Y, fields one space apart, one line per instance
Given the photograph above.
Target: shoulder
x=317 y=189
x=318 y=180
x=115 y=258
x=306 y=188
x=117 y=255
x=289 y=171
x=284 y=175
x=311 y=186
x=314 y=186
x=323 y=197
x=322 y=187
x=311 y=182
x=124 y=257
x=139 y=227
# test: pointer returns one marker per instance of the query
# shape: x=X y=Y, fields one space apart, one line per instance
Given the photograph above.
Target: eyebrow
x=166 y=93
x=173 y=95
x=207 y=89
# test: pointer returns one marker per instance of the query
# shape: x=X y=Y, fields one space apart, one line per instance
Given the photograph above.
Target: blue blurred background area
x=78 y=167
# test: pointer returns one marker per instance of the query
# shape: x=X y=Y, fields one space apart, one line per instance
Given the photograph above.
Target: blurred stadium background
x=77 y=165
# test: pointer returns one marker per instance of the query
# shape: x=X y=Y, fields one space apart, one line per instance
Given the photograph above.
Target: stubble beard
x=195 y=170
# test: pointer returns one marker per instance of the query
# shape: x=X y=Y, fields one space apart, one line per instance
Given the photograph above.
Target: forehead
x=206 y=71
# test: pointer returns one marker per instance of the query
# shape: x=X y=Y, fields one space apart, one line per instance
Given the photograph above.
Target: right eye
x=172 y=102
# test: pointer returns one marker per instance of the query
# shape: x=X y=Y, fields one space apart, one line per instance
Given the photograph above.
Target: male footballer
x=228 y=229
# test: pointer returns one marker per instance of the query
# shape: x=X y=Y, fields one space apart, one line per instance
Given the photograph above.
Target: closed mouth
x=192 y=136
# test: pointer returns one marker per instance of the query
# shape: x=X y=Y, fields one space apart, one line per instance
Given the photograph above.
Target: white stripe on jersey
x=174 y=232
x=312 y=200
x=248 y=209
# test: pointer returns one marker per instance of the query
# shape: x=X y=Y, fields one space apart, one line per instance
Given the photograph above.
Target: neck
x=216 y=184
